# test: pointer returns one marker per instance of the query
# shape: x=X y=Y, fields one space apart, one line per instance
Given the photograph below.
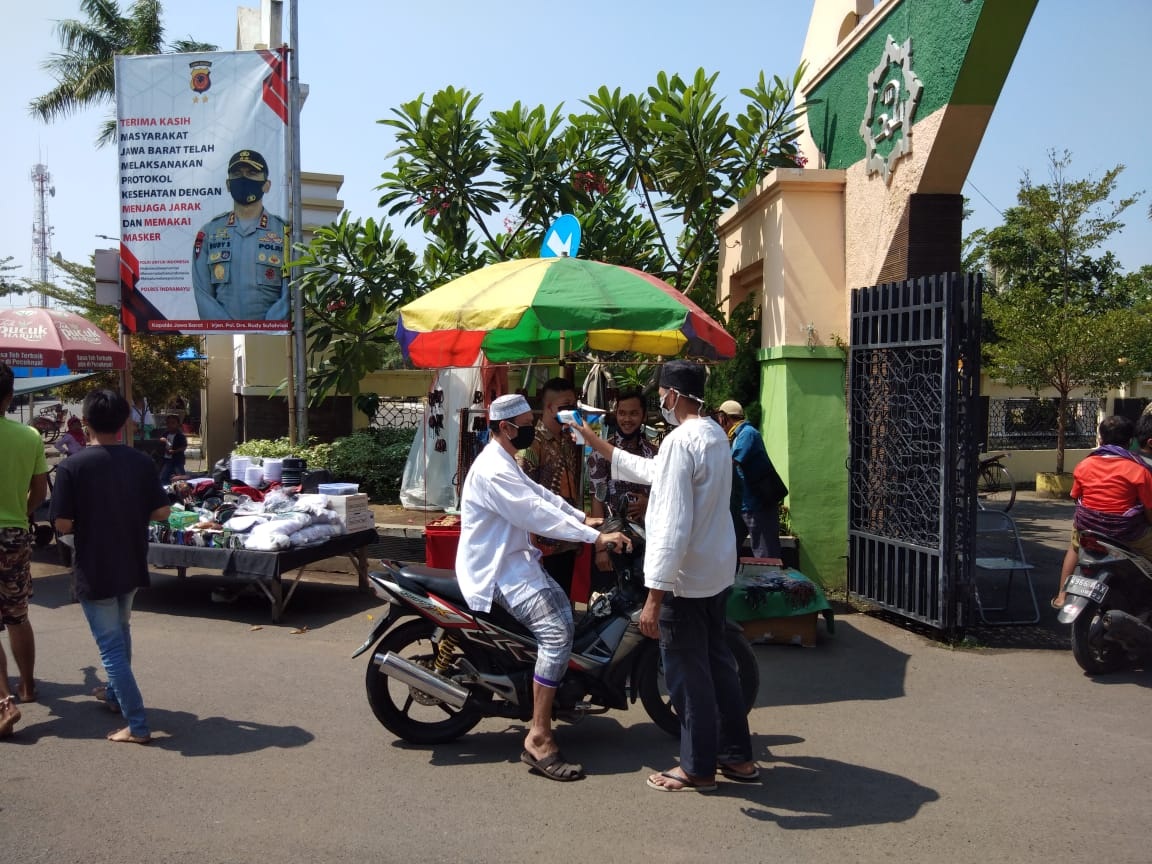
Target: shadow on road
x=850 y=666
x=76 y=714
x=809 y=792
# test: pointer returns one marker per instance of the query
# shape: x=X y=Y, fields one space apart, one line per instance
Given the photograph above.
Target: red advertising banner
x=203 y=244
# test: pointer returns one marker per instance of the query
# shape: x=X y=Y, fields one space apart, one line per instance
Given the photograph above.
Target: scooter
x=1109 y=605
x=438 y=668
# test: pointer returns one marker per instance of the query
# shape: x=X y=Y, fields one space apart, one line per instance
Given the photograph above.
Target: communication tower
x=41 y=230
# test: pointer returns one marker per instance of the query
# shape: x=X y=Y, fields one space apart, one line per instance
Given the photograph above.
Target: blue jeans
x=108 y=620
x=704 y=683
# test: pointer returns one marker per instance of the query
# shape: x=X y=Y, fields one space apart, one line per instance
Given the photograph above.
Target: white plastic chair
x=999 y=553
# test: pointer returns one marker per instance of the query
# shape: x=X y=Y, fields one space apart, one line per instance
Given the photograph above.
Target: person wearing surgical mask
x=689 y=569
x=501 y=509
x=238 y=257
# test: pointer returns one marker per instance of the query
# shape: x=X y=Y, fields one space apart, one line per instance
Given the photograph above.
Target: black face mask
x=524 y=436
x=245 y=190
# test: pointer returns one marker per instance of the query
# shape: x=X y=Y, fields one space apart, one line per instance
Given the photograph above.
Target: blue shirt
x=751 y=460
x=237 y=269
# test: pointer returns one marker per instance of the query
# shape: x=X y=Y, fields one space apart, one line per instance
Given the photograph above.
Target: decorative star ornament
x=893 y=94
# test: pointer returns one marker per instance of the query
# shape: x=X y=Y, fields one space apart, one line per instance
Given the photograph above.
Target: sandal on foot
x=1056 y=603
x=730 y=773
x=9 y=716
x=686 y=783
x=125 y=736
x=554 y=766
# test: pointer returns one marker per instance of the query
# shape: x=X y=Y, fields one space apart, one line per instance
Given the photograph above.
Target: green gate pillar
x=802 y=392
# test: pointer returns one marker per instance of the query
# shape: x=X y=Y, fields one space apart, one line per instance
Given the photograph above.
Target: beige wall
x=802 y=297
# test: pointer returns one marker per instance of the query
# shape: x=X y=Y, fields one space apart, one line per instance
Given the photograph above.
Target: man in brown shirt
x=554 y=462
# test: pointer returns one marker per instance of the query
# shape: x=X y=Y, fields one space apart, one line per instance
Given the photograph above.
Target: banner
x=203 y=192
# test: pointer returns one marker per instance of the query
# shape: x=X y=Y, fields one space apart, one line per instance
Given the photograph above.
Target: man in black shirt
x=105 y=496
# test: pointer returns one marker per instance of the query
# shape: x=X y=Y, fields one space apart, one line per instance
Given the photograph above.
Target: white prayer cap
x=507 y=407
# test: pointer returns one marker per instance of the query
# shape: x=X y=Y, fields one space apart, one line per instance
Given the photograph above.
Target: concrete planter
x=1052 y=485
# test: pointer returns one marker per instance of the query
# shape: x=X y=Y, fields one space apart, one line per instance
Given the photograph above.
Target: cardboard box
x=346 y=504
x=359 y=521
x=793 y=630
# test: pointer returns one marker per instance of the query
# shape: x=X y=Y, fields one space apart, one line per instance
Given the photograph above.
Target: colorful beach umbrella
x=547 y=307
x=47 y=338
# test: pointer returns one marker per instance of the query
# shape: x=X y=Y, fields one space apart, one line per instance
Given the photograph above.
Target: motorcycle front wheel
x=654 y=693
x=405 y=711
x=1094 y=654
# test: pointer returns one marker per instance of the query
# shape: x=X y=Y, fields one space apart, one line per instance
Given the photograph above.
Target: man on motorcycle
x=1112 y=488
x=689 y=568
x=500 y=510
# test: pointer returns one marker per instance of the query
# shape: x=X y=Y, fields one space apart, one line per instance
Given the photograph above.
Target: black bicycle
x=995 y=488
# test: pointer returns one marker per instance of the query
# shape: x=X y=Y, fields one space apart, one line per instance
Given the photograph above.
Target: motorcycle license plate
x=1082 y=586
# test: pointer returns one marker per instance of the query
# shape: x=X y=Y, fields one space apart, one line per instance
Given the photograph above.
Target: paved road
x=880 y=745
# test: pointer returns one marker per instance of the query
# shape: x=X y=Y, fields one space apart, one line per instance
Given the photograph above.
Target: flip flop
x=9 y=716
x=125 y=736
x=554 y=766
x=1056 y=604
x=686 y=784
x=730 y=773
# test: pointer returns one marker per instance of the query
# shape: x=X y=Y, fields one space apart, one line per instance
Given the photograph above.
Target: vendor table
x=266 y=569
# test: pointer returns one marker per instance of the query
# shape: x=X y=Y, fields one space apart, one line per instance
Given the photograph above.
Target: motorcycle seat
x=421 y=579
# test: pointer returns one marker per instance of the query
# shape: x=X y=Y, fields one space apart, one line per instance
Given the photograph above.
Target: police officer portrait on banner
x=238 y=258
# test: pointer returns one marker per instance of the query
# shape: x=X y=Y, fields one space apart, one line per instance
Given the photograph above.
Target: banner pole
x=300 y=355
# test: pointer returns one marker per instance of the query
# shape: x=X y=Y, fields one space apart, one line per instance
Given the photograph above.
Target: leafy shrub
x=375 y=459
x=315 y=454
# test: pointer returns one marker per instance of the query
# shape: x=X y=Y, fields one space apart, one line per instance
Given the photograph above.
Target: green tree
x=356 y=274
x=156 y=373
x=8 y=284
x=1058 y=313
x=84 y=69
x=647 y=175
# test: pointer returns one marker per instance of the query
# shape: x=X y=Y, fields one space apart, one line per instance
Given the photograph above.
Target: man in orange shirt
x=1113 y=492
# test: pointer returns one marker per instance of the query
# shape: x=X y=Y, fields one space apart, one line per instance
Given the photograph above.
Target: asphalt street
x=879 y=744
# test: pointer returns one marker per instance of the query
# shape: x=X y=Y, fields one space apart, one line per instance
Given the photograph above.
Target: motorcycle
x=438 y=668
x=1109 y=605
x=49 y=422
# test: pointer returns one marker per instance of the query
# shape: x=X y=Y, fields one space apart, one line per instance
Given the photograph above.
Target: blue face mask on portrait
x=245 y=190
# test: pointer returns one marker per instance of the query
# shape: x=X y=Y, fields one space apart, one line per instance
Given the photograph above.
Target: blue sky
x=361 y=58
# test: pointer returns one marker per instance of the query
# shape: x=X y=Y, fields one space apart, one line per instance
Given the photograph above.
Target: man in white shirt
x=500 y=508
x=689 y=568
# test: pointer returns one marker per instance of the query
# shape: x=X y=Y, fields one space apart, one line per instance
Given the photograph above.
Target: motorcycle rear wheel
x=654 y=694
x=1097 y=656
x=405 y=711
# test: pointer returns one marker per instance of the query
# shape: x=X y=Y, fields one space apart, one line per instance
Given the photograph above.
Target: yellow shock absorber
x=445 y=651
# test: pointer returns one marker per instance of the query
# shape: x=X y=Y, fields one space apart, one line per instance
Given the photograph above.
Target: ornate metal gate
x=914 y=372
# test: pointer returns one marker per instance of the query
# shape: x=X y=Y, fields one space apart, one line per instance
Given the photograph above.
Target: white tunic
x=691 y=543
x=500 y=508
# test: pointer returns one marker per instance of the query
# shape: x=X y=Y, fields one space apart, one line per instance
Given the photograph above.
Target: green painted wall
x=802 y=393
x=961 y=52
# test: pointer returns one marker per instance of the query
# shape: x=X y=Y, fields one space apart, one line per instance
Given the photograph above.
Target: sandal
x=686 y=783
x=728 y=772
x=554 y=766
x=9 y=715
x=1056 y=603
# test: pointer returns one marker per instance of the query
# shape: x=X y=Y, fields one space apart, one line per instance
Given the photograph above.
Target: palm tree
x=84 y=68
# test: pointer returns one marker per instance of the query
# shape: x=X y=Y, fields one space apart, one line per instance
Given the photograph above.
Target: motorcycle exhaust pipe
x=424 y=680
x=1128 y=629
